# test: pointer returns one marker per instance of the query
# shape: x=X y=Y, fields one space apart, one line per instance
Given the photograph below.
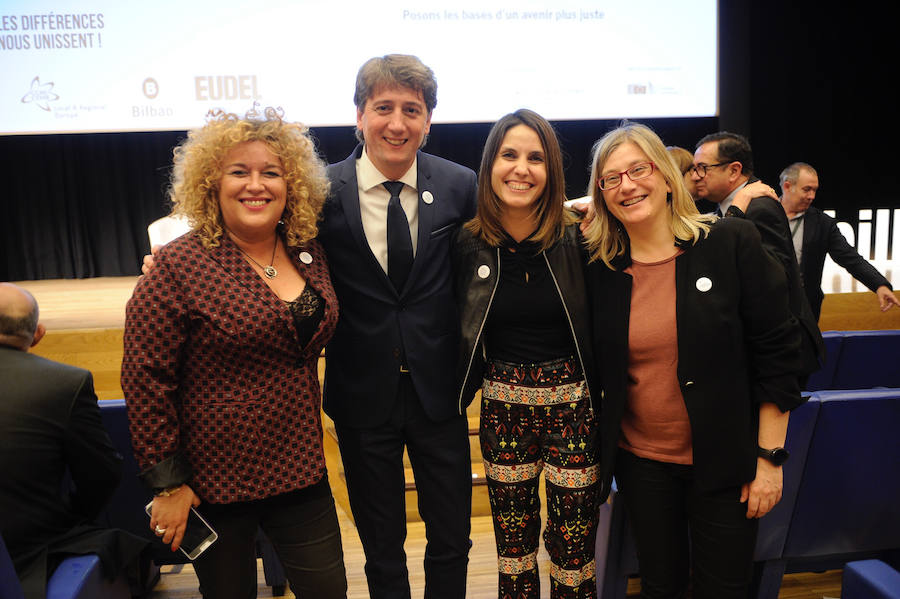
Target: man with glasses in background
x=723 y=165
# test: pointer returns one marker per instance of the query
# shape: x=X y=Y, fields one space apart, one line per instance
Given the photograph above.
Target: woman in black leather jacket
x=518 y=268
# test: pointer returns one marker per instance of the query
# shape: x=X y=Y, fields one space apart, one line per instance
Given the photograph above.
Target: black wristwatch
x=777 y=456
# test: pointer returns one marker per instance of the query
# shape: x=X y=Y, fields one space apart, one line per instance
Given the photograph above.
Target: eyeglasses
x=639 y=171
x=700 y=169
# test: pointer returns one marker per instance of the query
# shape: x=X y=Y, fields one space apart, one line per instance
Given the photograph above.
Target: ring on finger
x=160 y=531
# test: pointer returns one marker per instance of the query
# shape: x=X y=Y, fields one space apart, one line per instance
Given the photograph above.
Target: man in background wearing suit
x=723 y=164
x=387 y=228
x=50 y=426
x=815 y=234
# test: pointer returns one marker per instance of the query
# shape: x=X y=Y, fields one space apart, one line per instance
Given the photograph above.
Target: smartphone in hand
x=198 y=535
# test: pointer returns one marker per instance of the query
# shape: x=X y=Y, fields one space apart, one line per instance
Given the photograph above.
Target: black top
x=307 y=310
x=527 y=322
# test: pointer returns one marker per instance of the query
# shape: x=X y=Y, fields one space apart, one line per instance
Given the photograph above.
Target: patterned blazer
x=219 y=392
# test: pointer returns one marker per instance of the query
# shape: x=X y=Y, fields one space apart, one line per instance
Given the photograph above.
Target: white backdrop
x=115 y=65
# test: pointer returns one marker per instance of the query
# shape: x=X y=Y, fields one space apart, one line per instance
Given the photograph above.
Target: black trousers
x=441 y=463
x=679 y=529
x=306 y=535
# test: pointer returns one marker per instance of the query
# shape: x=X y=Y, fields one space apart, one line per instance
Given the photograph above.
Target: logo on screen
x=226 y=87
x=40 y=94
x=150 y=88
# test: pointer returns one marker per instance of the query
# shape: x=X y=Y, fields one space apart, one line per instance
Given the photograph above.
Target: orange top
x=655 y=424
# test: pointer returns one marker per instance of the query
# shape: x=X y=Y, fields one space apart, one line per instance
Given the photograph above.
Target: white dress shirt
x=373 y=202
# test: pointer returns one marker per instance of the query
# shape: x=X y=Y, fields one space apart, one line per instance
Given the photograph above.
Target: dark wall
x=802 y=81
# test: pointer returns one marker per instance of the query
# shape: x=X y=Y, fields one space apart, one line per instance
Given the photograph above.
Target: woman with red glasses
x=698 y=362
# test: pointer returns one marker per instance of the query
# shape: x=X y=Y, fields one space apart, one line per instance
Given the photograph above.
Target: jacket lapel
x=232 y=262
x=347 y=194
x=428 y=197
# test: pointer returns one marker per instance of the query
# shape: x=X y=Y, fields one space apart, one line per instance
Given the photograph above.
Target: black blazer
x=50 y=425
x=362 y=367
x=821 y=236
x=737 y=348
x=771 y=222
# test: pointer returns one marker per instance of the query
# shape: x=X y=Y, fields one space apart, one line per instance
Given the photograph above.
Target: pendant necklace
x=270 y=270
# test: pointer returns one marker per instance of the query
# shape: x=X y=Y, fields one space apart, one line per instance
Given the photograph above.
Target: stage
x=85 y=318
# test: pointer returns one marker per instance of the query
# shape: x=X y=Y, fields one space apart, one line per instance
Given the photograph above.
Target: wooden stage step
x=480 y=504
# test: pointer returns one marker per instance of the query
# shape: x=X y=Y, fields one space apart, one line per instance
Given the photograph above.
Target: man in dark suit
x=50 y=426
x=815 y=234
x=390 y=365
x=723 y=164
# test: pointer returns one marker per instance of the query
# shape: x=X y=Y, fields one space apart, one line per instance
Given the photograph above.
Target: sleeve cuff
x=171 y=472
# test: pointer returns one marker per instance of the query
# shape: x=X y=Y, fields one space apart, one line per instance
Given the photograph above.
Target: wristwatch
x=777 y=456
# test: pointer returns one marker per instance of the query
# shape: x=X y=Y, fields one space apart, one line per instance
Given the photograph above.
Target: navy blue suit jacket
x=362 y=360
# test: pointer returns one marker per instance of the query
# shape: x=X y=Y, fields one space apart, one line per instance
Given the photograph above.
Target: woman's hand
x=170 y=514
x=764 y=492
x=752 y=190
x=147 y=264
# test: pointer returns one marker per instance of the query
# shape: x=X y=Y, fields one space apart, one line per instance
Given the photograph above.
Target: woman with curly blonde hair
x=222 y=339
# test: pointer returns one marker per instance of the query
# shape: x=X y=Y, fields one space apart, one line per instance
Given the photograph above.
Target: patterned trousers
x=535 y=418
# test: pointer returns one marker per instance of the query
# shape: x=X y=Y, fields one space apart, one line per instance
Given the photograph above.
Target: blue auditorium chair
x=870 y=579
x=615 y=556
x=81 y=577
x=78 y=577
x=126 y=508
x=867 y=359
x=846 y=504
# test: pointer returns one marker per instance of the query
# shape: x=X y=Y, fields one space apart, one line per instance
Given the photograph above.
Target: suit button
x=397 y=352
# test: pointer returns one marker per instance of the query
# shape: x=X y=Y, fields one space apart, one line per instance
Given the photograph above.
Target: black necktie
x=399 y=241
x=718 y=212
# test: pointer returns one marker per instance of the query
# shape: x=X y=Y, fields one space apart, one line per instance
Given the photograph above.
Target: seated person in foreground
x=50 y=423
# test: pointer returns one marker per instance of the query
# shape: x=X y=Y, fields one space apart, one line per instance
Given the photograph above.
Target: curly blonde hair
x=605 y=236
x=197 y=170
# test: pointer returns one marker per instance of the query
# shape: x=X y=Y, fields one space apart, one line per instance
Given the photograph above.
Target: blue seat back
x=870 y=579
x=81 y=577
x=850 y=492
x=868 y=359
x=824 y=377
x=773 y=528
x=125 y=509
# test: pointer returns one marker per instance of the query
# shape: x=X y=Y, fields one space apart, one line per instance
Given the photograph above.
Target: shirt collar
x=729 y=199
x=368 y=176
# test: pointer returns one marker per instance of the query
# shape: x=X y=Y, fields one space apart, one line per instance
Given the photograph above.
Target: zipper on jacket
x=572 y=330
x=478 y=336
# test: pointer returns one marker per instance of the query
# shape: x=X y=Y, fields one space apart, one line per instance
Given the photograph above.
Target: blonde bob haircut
x=605 y=236
x=198 y=167
x=548 y=209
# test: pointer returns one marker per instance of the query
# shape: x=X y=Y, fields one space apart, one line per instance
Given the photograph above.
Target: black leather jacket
x=475 y=276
